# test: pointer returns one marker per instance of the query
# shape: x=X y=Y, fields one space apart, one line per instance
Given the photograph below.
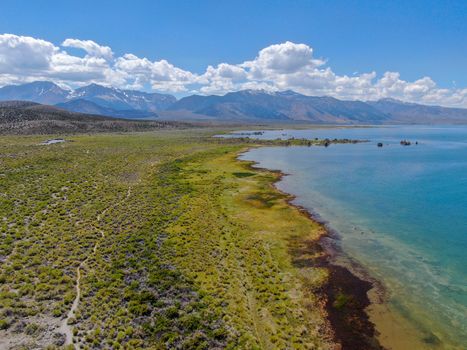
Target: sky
x=411 y=50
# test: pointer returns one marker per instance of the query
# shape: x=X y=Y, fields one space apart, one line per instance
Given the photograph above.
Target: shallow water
x=52 y=141
x=401 y=211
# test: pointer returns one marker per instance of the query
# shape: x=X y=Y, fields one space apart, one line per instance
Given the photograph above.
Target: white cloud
x=92 y=48
x=24 y=59
x=225 y=71
x=277 y=67
x=161 y=75
x=285 y=58
x=19 y=53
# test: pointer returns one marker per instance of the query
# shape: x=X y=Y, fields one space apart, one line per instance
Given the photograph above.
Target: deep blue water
x=401 y=211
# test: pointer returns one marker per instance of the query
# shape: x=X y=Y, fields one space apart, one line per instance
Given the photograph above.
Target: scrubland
x=178 y=245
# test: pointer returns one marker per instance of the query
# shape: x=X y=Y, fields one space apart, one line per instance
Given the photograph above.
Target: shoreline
x=366 y=319
x=345 y=294
x=346 y=291
x=381 y=327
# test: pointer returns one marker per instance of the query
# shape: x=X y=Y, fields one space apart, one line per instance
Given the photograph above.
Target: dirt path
x=65 y=327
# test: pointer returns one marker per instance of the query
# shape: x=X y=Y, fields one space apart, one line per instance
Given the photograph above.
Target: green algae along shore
x=343 y=297
x=354 y=303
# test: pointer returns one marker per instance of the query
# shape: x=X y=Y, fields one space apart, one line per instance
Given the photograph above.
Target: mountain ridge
x=111 y=101
x=38 y=91
x=286 y=105
x=123 y=99
x=89 y=107
x=30 y=118
x=239 y=106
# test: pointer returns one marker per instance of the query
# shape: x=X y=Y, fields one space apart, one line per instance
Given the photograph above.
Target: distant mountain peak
x=289 y=93
x=253 y=92
x=92 y=85
x=390 y=99
x=397 y=101
x=44 y=92
x=93 y=88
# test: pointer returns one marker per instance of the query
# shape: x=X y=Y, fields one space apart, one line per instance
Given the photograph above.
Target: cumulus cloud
x=161 y=75
x=284 y=66
x=285 y=58
x=18 y=53
x=92 y=49
x=225 y=71
x=24 y=59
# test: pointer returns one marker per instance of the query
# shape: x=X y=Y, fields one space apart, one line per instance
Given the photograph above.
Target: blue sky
x=414 y=38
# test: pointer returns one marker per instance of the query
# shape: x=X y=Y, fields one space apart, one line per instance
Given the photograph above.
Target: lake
x=400 y=211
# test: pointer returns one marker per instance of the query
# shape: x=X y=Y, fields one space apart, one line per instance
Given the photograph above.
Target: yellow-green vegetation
x=178 y=244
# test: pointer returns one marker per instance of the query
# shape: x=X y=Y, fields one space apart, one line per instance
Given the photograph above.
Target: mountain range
x=91 y=99
x=241 y=106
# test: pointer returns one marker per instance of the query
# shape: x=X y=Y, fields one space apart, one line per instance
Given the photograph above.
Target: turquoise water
x=401 y=211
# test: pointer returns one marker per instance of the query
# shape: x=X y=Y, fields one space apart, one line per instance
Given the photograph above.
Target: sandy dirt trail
x=65 y=327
